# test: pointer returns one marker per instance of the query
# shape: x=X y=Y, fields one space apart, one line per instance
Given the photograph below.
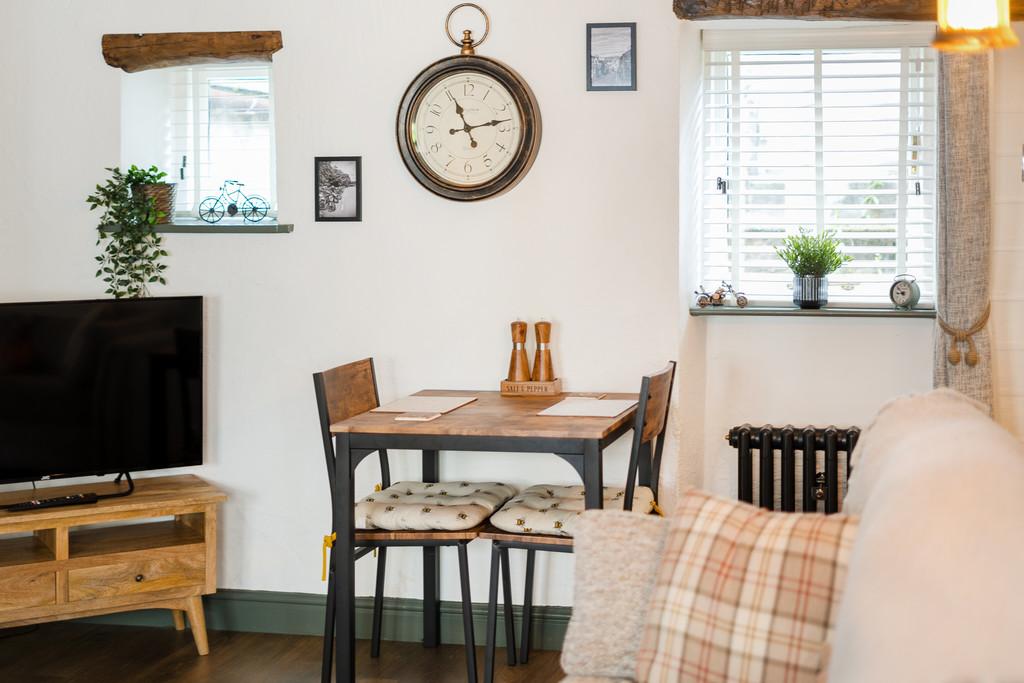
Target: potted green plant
x=129 y=260
x=812 y=258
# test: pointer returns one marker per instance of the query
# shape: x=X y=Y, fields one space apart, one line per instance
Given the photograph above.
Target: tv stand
x=74 y=564
x=86 y=498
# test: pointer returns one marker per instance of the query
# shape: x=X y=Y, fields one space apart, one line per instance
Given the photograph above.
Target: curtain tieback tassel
x=961 y=336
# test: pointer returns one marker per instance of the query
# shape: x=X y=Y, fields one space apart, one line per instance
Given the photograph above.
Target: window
x=807 y=134
x=203 y=125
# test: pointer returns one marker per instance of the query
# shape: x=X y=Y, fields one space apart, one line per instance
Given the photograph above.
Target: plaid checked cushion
x=744 y=594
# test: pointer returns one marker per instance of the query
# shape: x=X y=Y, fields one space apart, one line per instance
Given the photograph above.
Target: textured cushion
x=933 y=592
x=417 y=506
x=548 y=509
x=623 y=550
x=744 y=594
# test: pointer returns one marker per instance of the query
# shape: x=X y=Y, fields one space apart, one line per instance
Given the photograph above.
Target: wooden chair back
x=343 y=392
x=649 y=431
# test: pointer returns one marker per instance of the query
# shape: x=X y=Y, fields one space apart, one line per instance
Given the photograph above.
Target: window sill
x=197 y=227
x=826 y=312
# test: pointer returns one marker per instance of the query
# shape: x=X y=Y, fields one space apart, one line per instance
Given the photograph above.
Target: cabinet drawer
x=26 y=588
x=141 y=576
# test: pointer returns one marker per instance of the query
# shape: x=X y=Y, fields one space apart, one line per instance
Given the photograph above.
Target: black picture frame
x=613 y=87
x=356 y=214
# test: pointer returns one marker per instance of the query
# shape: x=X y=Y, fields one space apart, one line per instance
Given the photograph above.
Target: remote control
x=76 y=499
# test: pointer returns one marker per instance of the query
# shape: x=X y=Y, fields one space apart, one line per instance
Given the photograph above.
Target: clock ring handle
x=467 y=46
x=912 y=278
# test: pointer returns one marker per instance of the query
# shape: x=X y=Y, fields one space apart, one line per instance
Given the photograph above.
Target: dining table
x=491 y=423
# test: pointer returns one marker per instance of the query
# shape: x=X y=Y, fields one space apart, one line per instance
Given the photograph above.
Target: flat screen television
x=100 y=387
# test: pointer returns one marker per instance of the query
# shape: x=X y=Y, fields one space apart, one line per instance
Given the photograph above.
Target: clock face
x=466 y=129
x=901 y=293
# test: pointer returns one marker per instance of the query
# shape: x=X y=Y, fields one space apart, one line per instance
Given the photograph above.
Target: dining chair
x=417 y=514
x=543 y=516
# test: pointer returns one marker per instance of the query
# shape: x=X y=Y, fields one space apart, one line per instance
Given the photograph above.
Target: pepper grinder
x=543 y=369
x=519 y=366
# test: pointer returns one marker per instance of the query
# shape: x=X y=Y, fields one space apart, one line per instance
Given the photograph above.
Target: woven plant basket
x=164 y=194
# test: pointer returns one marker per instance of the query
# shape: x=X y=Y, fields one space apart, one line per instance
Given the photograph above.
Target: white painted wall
x=590 y=238
x=424 y=285
x=1007 y=326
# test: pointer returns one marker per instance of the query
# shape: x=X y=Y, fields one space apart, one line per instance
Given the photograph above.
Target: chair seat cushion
x=419 y=506
x=553 y=510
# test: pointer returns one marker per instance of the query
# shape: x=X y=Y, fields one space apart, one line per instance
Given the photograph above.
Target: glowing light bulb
x=974 y=25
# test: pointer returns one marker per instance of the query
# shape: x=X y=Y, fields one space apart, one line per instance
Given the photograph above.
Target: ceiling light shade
x=974 y=25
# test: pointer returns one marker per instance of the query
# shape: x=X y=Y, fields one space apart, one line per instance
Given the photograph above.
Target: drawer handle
x=139 y=578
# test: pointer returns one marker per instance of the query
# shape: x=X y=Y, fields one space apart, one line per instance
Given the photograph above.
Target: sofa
x=917 y=579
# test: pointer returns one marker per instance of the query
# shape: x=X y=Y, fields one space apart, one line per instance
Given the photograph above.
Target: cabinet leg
x=179 y=619
x=194 y=607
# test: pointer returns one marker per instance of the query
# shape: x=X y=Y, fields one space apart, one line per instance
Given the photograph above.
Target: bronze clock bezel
x=529 y=115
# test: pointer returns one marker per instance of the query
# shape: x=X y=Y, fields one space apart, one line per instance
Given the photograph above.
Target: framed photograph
x=611 y=57
x=339 y=188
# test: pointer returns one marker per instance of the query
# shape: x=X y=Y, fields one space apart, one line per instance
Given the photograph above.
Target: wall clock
x=469 y=127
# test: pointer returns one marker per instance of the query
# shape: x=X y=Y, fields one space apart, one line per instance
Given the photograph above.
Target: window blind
x=825 y=139
x=220 y=126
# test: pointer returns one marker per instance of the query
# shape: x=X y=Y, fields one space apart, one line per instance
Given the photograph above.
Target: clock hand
x=466 y=128
x=490 y=123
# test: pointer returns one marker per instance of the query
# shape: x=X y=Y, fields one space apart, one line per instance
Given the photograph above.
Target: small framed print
x=611 y=57
x=339 y=188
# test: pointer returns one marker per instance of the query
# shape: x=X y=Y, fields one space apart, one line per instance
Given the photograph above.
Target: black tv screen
x=100 y=387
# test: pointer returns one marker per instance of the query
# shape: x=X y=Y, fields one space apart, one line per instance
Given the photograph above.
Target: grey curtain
x=963 y=357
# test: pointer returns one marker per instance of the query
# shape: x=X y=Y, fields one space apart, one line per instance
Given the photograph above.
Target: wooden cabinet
x=156 y=548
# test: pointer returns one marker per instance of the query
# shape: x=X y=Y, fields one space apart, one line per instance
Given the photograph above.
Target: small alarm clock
x=905 y=292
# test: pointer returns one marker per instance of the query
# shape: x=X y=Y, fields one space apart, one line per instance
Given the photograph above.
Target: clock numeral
x=467 y=89
x=450 y=160
x=488 y=162
x=435 y=109
x=486 y=94
x=501 y=147
x=504 y=128
x=430 y=130
x=503 y=107
x=468 y=168
x=436 y=147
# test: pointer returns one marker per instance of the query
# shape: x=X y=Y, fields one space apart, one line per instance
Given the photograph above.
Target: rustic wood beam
x=892 y=10
x=140 y=51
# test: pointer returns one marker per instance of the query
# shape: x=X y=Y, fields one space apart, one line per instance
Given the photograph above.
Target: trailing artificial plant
x=810 y=255
x=129 y=260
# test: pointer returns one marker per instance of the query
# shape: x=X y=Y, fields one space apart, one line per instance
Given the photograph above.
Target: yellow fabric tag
x=328 y=543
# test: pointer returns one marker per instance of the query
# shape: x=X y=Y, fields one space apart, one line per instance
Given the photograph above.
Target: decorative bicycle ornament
x=232 y=202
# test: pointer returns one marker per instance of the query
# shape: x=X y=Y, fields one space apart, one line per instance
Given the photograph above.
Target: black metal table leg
x=492 y=613
x=467 y=613
x=593 y=475
x=524 y=651
x=344 y=569
x=431 y=569
x=510 y=624
x=328 y=654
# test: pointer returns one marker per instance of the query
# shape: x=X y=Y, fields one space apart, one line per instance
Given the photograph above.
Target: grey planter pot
x=810 y=292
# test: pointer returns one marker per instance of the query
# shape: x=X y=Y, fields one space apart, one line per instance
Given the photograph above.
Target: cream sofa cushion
x=617 y=556
x=933 y=592
x=420 y=506
x=554 y=510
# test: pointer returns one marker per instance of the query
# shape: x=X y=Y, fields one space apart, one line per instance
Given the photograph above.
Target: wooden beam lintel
x=141 y=51
x=885 y=10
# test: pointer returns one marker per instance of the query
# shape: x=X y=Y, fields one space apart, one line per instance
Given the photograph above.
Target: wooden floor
x=92 y=653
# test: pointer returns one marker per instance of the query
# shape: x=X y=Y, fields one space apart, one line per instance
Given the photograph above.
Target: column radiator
x=819 y=475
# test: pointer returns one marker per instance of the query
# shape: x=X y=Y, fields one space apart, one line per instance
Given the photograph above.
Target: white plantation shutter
x=220 y=126
x=808 y=134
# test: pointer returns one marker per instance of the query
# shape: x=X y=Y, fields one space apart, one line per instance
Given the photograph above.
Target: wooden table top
x=494 y=415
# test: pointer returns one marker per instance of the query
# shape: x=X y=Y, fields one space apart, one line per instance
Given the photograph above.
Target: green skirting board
x=303 y=614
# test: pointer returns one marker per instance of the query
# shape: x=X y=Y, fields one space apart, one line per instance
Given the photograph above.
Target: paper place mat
x=584 y=406
x=425 y=404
